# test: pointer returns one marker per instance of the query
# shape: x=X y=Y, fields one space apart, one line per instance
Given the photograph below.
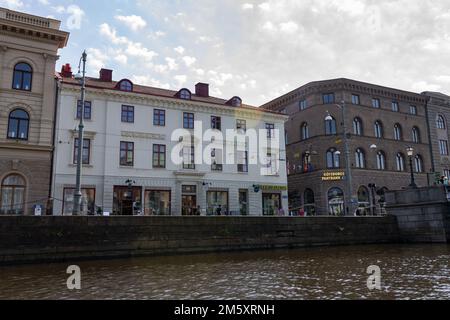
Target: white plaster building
x=127 y=167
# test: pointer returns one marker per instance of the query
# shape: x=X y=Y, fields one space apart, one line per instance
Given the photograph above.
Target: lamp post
x=77 y=194
x=410 y=152
x=348 y=173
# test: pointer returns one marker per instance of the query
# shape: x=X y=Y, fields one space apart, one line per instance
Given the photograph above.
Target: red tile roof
x=159 y=92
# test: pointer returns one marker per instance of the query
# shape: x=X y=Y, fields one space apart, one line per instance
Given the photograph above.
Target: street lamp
x=77 y=194
x=348 y=173
x=410 y=153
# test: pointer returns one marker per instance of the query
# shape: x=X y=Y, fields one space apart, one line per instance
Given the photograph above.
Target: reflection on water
x=408 y=272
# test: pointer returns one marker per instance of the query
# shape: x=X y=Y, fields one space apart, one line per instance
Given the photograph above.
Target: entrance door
x=189 y=205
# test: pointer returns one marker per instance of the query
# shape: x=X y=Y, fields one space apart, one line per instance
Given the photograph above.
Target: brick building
x=381 y=123
x=28 y=53
x=438 y=107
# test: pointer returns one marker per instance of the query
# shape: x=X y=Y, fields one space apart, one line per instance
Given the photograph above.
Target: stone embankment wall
x=50 y=238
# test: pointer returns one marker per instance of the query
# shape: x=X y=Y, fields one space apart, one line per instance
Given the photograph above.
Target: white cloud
x=247 y=6
x=111 y=34
x=189 y=61
x=180 y=79
x=149 y=81
x=179 y=49
x=11 y=4
x=121 y=58
x=133 y=22
x=171 y=63
x=289 y=27
x=44 y=2
x=96 y=59
x=265 y=6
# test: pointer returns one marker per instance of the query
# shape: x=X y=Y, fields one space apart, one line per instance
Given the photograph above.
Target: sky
x=257 y=50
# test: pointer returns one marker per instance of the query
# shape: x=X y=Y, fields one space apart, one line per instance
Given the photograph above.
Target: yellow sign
x=276 y=188
x=333 y=176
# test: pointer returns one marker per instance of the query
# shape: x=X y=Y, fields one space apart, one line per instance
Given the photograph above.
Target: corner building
x=28 y=54
x=381 y=123
x=127 y=167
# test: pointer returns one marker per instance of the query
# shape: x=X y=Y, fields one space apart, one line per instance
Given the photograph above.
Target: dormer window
x=235 y=102
x=185 y=94
x=125 y=85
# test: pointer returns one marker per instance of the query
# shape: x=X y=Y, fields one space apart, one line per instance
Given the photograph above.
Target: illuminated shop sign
x=333 y=176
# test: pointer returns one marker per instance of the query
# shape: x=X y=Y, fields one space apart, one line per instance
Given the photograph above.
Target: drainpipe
x=52 y=166
x=430 y=143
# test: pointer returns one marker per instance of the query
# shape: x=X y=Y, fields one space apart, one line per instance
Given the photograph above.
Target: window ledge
x=84 y=165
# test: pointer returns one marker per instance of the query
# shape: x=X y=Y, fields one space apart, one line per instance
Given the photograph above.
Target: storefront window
x=310 y=203
x=127 y=201
x=243 y=202
x=157 y=203
x=363 y=202
x=87 y=201
x=271 y=203
x=217 y=203
x=336 y=202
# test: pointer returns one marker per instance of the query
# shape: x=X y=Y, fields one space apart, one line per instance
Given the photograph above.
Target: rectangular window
x=126 y=154
x=87 y=110
x=328 y=98
x=443 y=147
x=413 y=110
x=128 y=114
x=303 y=104
x=189 y=157
x=188 y=120
x=395 y=106
x=86 y=151
x=216 y=123
x=447 y=173
x=355 y=99
x=159 y=117
x=216 y=160
x=376 y=103
x=159 y=156
x=87 y=201
x=242 y=161
x=241 y=125
x=270 y=127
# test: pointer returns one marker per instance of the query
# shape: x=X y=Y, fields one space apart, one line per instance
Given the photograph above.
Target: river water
x=407 y=272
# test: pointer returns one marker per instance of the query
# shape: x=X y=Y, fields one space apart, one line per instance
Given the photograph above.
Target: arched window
x=440 y=122
x=330 y=126
x=416 y=135
x=23 y=77
x=363 y=201
x=418 y=163
x=185 y=94
x=360 y=159
x=333 y=159
x=125 y=85
x=18 y=125
x=12 y=195
x=305 y=131
x=378 y=129
x=397 y=132
x=336 y=202
x=400 y=160
x=357 y=127
x=381 y=160
x=309 y=203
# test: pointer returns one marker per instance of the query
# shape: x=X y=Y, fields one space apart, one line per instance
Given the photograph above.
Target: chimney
x=106 y=75
x=66 y=71
x=202 y=89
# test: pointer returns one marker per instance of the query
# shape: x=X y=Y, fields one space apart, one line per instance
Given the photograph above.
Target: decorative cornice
x=20 y=146
x=143 y=135
x=344 y=85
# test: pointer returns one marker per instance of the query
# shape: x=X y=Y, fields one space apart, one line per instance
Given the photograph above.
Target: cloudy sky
x=257 y=49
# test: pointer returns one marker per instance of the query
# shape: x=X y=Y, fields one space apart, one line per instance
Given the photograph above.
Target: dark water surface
x=408 y=272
